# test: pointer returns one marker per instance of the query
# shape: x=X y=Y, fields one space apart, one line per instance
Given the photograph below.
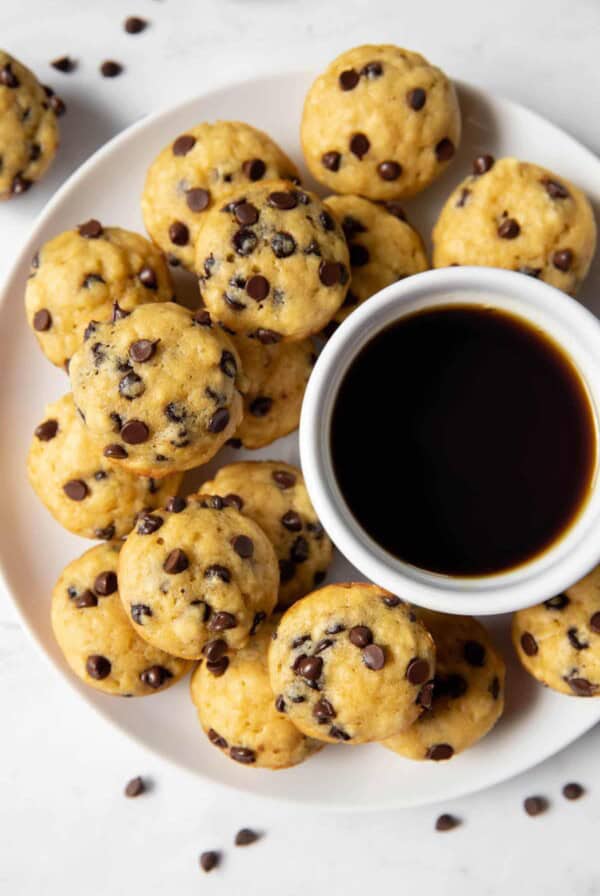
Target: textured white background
x=64 y=825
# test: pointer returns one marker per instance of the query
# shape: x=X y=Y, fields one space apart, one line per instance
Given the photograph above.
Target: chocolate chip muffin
x=384 y=248
x=467 y=695
x=198 y=579
x=89 y=275
x=239 y=714
x=558 y=641
x=351 y=663
x=28 y=128
x=274 y=495
x=193 y=174
x=158 y=388
x=380 y=122
x=273 y=263
x=516 y=215
x=95 y=635
x=276 y=379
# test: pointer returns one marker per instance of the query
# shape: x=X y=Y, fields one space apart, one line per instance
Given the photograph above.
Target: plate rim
x=6 y=287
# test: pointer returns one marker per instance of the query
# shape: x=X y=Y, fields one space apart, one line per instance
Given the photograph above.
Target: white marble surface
x=64 y=824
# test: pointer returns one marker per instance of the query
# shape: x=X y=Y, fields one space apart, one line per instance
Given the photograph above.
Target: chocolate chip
x=116 y=451
x=202 y=318
x=85 y=599
x=555 y=189
x=373 y=656
x=483 y=164
x=462 y=199
x=563 y=259
x=243 y=755
x=218 y=421
x=142 y=350
x=446 y=822
x=557 y=603
x=106 y=534
x=57 y=106
x=138 y=611
x=416 y=98
x=222 y=621
x=360 y=635
x=20 y=184
x=349 y=79
x=323 y=711
x=183 y=145
x=581 y=686
x=197 y=199
x=216 y=739
x=260 y=406
x=243 y=546
x=135 y=25
x=209 y=860
x=283 y=244
x=131 y=386
x=331 y=160
x=425 y=695
x=359 y=145
x=148 y=523
x=280 y=703
x=389 y=170
x=244 y=242
x=98 y=667
x=323 y=644
x=176 y=561
x=535 y=805
x=110 y=69
x=528 y=644
x=338 y=733
x=215 y=650
x=228 y=364
x=509 y=229
x=118 y=313
x=292 y=521
x=439 y=752
x=90 y=230
x=572 y=791
x=266 y=337
x=330 y=273
x=42 y=320
x=246 y=214
x=300 y=640
x=359 y=255
x=134 y=432
x=283 y=479
x=284 y=201
x=595 y=622
x=76 y=489
x=105 y=583
x=179 y=233
x=299 y=551
x=390 y=600
x=8 y=77
x=46 y=430
x=245 y=837
x=35 y=151
x=309 y=667
x=574 y=640
x=474 y=653
x=258 y=618
x=135 y=787
x=417 y=671
x=444 y=150
x=258 y=287
x=64 y=64
x=254 y=169
x=155 y=676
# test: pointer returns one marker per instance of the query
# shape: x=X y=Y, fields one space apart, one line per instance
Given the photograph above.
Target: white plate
x=33 y=548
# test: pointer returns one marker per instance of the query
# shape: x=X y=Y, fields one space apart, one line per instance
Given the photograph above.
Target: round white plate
x=33 y=548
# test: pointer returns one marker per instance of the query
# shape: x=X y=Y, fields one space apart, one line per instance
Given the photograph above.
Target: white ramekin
x=567 y=322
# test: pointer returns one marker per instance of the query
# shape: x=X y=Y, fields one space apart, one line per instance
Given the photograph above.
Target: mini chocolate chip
x=389 y=170
x=135 y=787
x=183 y=144
x=209 y=860
x=134 y=432
x=283 y=244
x=260 y=406
x=233 y=500
x=76 y=489
x=98 y=667
x=338 y=733
x=555 y=189
x=349 y=79
x=528 y=644
x=258 y=287
x=116 y=451
x=135 y=25
x=283 y=479
x=595 y=622
x=244 y=242
x=282 y=200
x=330 y=273
x=300 y=640
x=323 y=711
x=327 y=221
x=562 y=260
x=216 y=739
x=46 y=430
x=359 y=145
x=64 y=64
x=474 y=653
x=483 y=164
x=35 y=151
x=359 y=255
x=148 y=523
x=254 y=169
x=266 y=337
x=557 y=603
x=215 y=650
x=444 y=150
x=331 y=160
x=372 y=70
x=118 y=313
x=228 y=364
x=246 y=214
x=8 y=77
x=106 y=534
x=509 y=229
x=309 y=667
x=219 y=420
x=280 y=703
x=110 y=69
x=179 y=233
x=292 y=521
x=425 y=695
x=416 y=98
x=373 y=657
x=535 y=805
x=176 y=562
x=530 y=272
x=446 y=822
x=105 y=583
x=90 y=230
x=360 y=635
x=138 y=611
x=197 y=199
x=245 y=837
x=258 y=618
x=20 y=184
x=243 y=754
x=243 y=546
x=85 y=599
x=300 y=550
x=439 y=752
x=222 y=621
x=390 y=600
x=323 y=644
x=574 y=640
x=155 y=676
x=58 y=107
x=202 y=318
x=131 y=386
x=42 y=320
x=572 y=791
x=142 y=350
x=147 y=278
x=417 y=671
x=581 y=686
